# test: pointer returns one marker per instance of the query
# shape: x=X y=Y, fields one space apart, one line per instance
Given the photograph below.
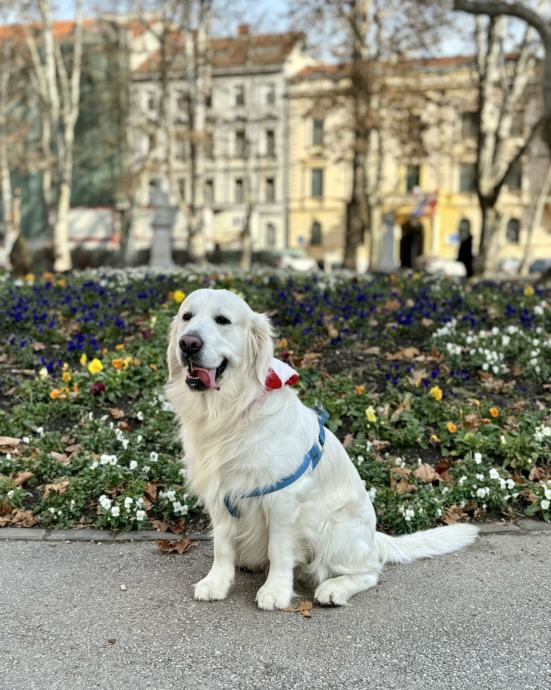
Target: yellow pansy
x=529 y=291
x=451 y=427
x=178 y=296
x=66 y=377
x=95 y=366
x=370 y=414
x=83 y=359
x=436 y=392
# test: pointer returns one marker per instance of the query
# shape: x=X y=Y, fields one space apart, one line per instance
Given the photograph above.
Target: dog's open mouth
x=201 y=378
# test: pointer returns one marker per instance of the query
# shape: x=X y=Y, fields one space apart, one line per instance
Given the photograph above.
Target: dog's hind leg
x=337 y=590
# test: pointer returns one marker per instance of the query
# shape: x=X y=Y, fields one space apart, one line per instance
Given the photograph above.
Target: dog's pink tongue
x=207 y=376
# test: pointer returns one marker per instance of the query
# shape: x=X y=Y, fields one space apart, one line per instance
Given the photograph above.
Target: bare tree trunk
x=535 y=220
x=247 y=240
x=489 y=230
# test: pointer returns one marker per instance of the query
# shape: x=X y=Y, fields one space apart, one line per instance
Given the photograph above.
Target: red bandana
x=280 y=374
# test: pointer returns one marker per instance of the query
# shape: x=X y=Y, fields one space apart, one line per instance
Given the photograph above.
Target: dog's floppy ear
x=171 y=355
x=261 y=345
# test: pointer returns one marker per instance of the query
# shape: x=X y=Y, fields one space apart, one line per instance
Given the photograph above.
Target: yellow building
x=430 y=195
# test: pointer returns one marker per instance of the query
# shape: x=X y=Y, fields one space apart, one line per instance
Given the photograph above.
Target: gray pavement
x=477 y=619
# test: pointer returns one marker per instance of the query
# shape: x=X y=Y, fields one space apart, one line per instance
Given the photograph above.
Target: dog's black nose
x=190 y=344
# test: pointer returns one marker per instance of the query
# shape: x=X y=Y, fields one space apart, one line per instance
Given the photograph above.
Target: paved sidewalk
x=120 y=615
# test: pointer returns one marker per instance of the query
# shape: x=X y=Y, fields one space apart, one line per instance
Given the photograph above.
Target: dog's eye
x=187 y=316
x=222 y=321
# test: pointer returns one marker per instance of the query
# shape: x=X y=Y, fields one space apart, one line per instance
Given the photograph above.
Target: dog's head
x=217 y=341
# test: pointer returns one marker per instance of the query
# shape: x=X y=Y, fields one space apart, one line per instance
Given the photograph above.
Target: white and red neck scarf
x=280 y=374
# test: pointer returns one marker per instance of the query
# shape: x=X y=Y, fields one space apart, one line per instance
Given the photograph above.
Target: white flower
x=478 y=458
x=183 y=472
x=462 y=480
x=545 y=504
x=132 y=464
x=372 y=493
x=153 y=456
x=360 y=459
x=43 y=373
x=170 y=495
x=11 y=493
x=482 y=492
x=115 y=511
x=140 y=515
x=40 y=430
x=105 y=502
x=140 y=416
x=408 y=514
x=106 y=459
x=494 y=474
x=480 y=477
x=146 y=468
x=94 y=465
x=128 y=501
x=26 y=439
x=510 y=484
x=124 y=443
x=547 y=493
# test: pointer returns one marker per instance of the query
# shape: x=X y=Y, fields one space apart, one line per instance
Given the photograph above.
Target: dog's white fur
x=237 y=439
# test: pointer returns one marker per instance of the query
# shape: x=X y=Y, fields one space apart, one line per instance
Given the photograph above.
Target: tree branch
x=495 y=8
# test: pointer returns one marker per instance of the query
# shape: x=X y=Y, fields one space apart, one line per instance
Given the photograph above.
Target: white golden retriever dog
x=245 y=432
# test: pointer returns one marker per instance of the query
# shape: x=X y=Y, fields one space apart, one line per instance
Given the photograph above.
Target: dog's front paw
x=211 y=589
x=269 y=597
x=330 y=594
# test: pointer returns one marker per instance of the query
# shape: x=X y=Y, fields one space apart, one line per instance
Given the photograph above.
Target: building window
x=270 y=142
x=469 y=125
x=467 y=177
x=514 y=176
x=270 y=235
x=239 y=190
x=270 y=189
x=317 y=182
x=317 y=132
x=151 y=101
x=208 y=100
x=209 y=191
x=182 y=188
x=413 y=176
x=240 y=143
x=180 y=150
x=209 y=145
x=517 y=124
x=270 y=94
x=180 y=101
x=240 y=95
x=315 y=234
x=513 y=231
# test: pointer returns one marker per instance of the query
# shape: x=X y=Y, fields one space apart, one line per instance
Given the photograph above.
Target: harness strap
x=312 y=457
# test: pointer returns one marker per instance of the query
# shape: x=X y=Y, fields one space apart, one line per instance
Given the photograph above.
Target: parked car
x=539 y=265
x=293 y=259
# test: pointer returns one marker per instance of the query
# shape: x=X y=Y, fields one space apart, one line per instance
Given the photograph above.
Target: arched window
x=270 y=235
x=513 y=231
x=464 y=228
x=315 y=233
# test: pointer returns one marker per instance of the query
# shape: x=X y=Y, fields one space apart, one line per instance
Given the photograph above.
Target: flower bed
x=440 y=392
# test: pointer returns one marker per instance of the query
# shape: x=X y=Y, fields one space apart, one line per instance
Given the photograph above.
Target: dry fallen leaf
x=150 y=491
x=402 y=472
x=9 y=442
x=21 y=477
x=116 y=413
x=57 y=487
x=391 y=305
x=375 y=350
x=404 y=353
x=453 y=514
x=23 y=518
x=175 y=545
x=426 y=473
x=303 y=607
x=417 y=376
x=348 y=440
x=310 y=359
x=404 y=487
x=60 y=457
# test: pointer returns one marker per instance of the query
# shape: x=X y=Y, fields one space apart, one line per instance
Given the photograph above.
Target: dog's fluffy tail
x=430 y=542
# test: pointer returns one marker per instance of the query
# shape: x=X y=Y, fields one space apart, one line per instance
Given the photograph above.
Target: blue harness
x=312 y=457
